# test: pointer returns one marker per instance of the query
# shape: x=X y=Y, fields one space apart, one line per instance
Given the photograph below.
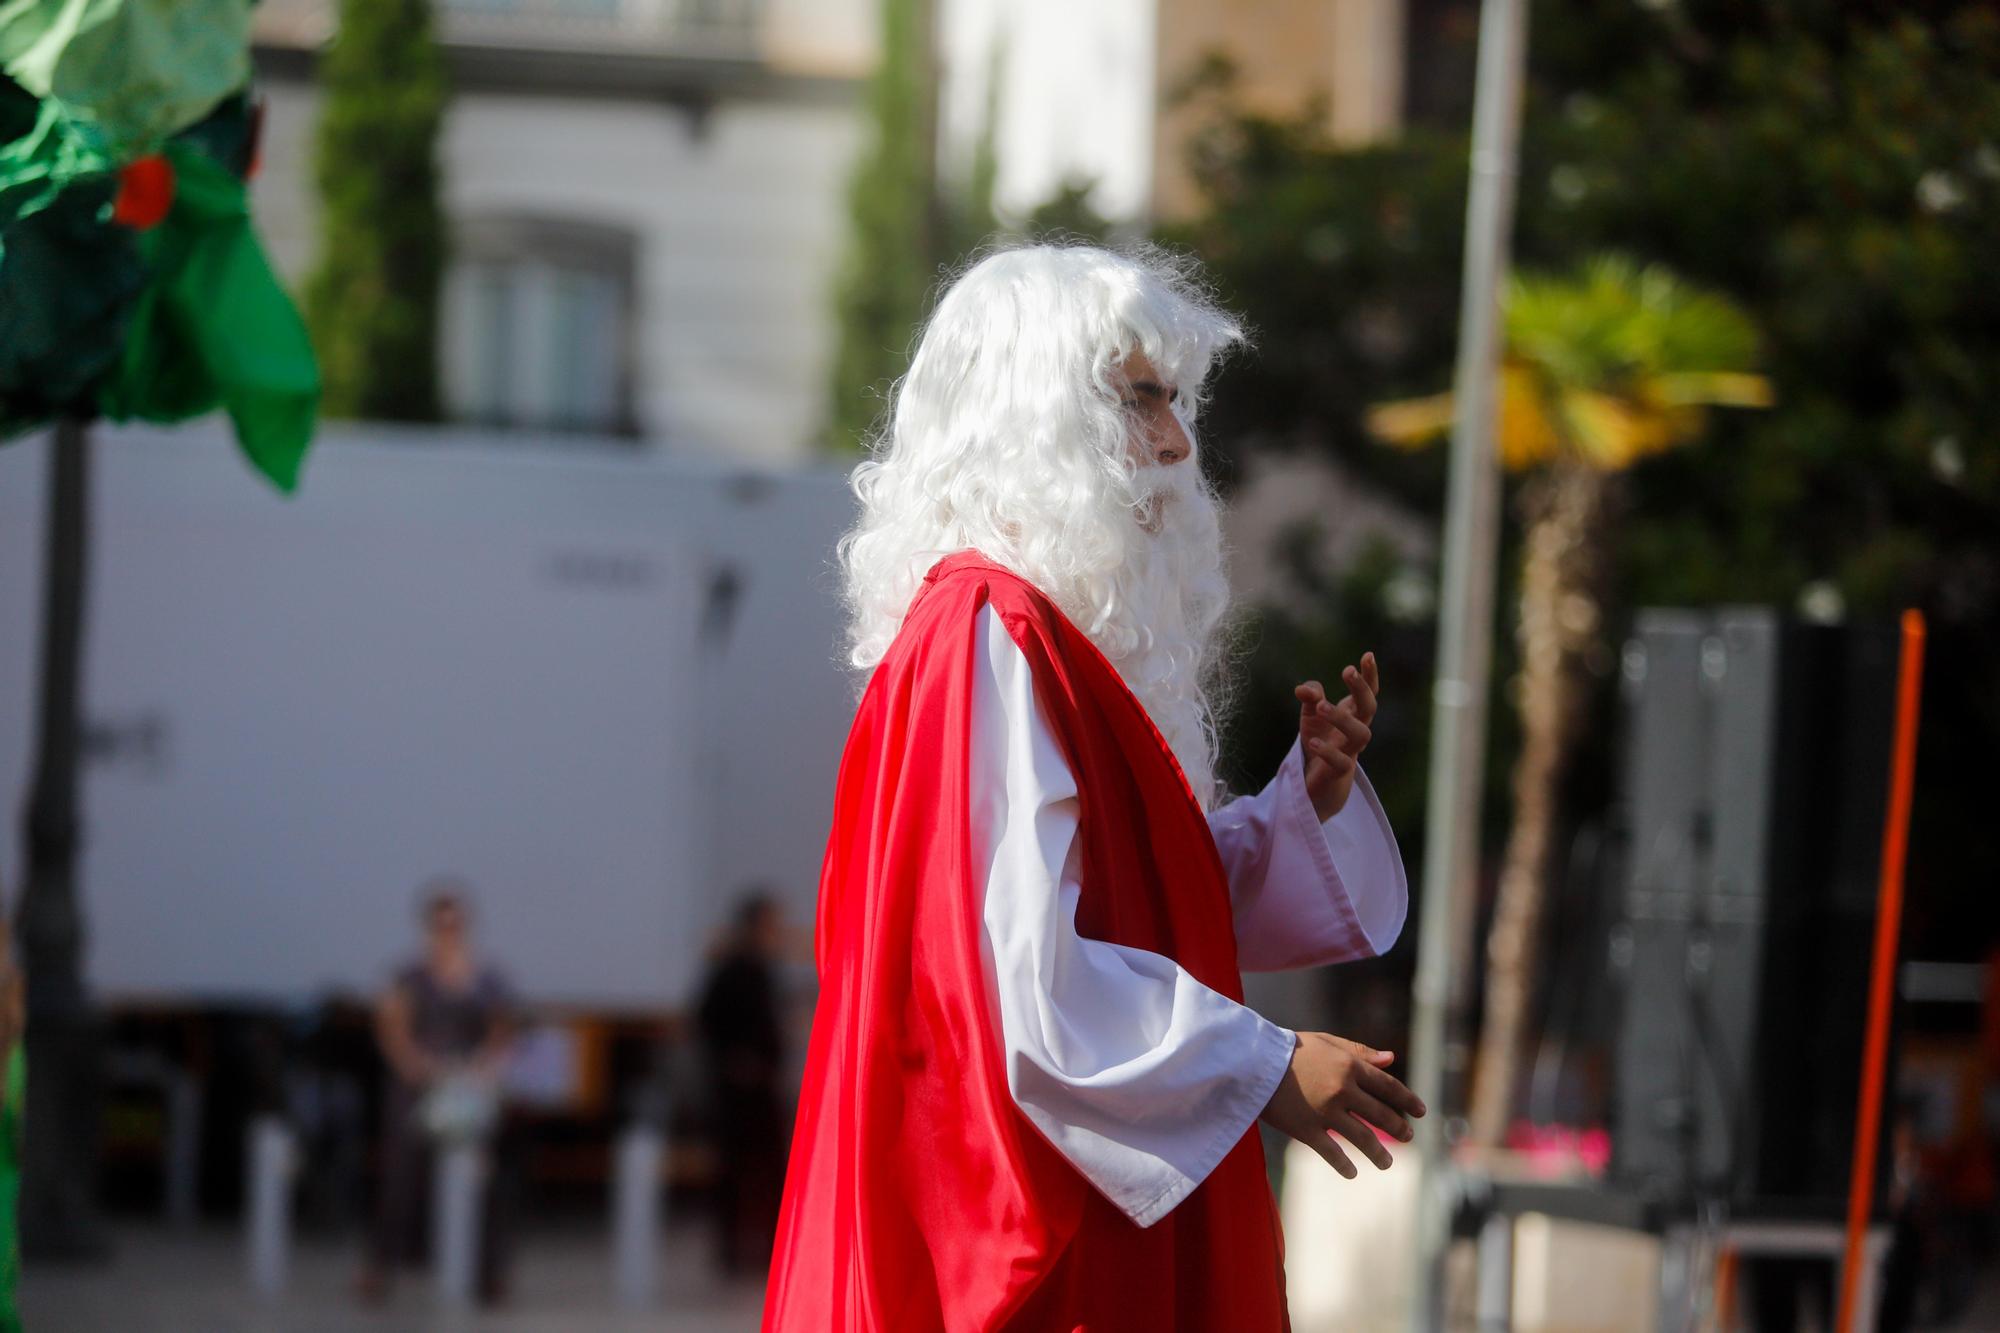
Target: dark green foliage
x=1339 y=617
x=1843 y=182
x=1346 y=265
x=372 y=304
x=892 y=256
x=1841 y=176
x=1835 y=170
x=1068 y=215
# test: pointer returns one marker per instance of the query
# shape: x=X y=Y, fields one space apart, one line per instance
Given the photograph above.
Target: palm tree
x=1600 y=370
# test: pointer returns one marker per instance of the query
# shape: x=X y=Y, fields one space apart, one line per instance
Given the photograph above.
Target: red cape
x=919 y=1197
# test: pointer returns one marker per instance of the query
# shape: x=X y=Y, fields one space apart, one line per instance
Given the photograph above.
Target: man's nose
x=1173 y=446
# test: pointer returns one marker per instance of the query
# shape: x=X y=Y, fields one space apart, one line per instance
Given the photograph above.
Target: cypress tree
x=372 y=304
x=892 y=256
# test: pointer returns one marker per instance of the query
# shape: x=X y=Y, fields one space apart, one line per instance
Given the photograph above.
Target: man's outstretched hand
x=1344 y=1087
x=1333 y=735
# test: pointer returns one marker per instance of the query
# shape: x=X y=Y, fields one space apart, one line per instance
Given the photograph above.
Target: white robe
x=1142 y=1077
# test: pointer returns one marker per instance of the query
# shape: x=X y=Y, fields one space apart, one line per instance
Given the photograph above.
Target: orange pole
x=1881 y=981
x=1725 y=1290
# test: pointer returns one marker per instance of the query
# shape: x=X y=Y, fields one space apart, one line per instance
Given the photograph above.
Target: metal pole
x=458 y=1188
x=1465 y=631
x=58 y=1209
x=635 y=1218
x=1495 y=1298
x=273 y=1162
x=1857 y=1310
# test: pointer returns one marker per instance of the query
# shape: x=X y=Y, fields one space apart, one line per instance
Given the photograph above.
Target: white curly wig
x=1007 y=436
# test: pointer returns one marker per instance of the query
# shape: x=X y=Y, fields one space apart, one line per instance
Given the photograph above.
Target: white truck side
x=600 y=683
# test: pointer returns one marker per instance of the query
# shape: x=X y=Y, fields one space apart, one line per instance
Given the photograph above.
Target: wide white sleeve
x=1142 y=1077
x=1308 y=892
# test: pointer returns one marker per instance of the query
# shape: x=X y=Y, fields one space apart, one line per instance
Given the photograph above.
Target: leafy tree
x=1067 y=214
x=893 y=242
x=1841 y=178
x=1835 y=171
x=1600 y=371
x=1346 y=265
x=373 y=302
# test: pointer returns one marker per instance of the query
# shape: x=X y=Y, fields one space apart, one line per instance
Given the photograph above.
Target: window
x=538 y=326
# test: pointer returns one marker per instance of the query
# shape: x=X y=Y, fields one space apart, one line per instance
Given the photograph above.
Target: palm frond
x=1605 y=366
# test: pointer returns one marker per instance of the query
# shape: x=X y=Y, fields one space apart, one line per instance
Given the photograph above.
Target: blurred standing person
x=1033 y=1088
x=742 y=1036
x=444 y=1027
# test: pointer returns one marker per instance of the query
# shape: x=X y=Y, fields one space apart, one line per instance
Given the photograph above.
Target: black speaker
x=1756 y=771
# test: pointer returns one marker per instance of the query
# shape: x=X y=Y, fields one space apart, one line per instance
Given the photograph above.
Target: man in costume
x=1032 y=1090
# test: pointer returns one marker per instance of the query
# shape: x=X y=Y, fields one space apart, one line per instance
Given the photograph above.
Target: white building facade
x=647 y=201
x=1068 y=90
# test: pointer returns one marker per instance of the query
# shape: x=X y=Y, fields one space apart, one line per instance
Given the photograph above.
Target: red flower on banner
x=145 y=192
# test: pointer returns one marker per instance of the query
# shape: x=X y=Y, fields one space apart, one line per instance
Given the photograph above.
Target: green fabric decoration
x=43 y=155
x=13 y=1103
x=68 y=279
x=128 y=72
x=162 y=324
x=214 y=328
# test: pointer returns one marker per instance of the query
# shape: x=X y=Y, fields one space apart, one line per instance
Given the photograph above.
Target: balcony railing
x=679 y=28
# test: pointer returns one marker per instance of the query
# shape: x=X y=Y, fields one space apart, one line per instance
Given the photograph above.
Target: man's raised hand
x=1336 y=1086
x=1332 y=736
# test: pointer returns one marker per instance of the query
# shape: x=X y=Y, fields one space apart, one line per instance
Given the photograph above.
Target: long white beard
x=1174 y=599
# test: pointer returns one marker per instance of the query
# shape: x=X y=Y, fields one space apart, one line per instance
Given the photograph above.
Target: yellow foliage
x=1607 y=430
x=1603 y=369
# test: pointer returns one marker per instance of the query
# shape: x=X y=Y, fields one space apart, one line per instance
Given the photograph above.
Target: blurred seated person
x=326 y=1094
x=742 y=1036
x=444 y=1026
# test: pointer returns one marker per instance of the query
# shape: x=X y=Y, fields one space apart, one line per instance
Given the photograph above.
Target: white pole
x=1465 y=629
x=272 y=1162
x=635 y=1221
x=459 y=1181
x=1494 y=1300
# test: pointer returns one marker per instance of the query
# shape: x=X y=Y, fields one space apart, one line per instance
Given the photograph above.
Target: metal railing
x=681 y=26
x=692 y=28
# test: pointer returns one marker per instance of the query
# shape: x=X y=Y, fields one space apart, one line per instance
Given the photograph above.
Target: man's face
x=446 y=921
x=1156 y=436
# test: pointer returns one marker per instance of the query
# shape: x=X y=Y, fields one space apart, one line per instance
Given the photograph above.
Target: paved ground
x=166 y=1281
